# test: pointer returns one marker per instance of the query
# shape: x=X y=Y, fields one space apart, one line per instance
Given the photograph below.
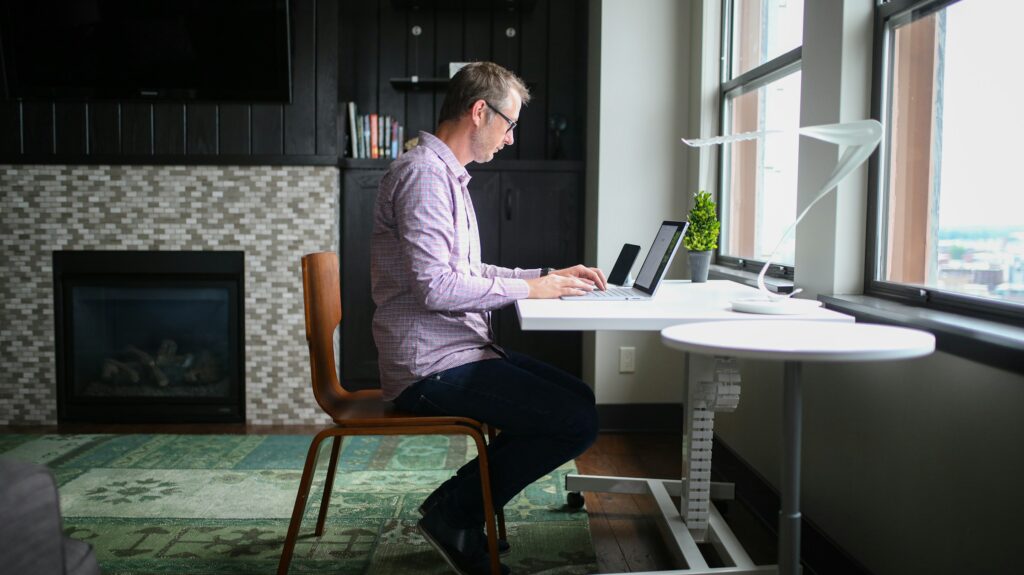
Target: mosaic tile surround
x=275 y=214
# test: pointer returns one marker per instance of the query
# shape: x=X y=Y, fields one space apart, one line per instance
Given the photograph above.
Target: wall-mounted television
x=219 y=50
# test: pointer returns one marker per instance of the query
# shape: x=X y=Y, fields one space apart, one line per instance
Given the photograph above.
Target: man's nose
x=510 y=137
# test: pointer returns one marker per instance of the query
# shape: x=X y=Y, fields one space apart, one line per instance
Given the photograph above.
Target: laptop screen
x=660 y=255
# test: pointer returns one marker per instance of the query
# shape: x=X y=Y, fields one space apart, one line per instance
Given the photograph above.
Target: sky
x=983 y=118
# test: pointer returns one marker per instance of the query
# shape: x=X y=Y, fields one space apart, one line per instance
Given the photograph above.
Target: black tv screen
x=224 y=50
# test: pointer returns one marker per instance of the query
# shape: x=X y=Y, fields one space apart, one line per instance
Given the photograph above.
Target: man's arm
x=491 y=271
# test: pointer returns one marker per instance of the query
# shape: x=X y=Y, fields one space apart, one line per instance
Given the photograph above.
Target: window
x=760 y=91
x=948 y=198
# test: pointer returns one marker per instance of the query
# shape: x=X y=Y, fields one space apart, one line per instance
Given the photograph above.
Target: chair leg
x=300 y=502
x=491 y=434
x=485 y=486
x=328 y=486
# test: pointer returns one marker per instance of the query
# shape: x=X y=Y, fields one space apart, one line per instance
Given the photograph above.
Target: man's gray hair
x=485 y=81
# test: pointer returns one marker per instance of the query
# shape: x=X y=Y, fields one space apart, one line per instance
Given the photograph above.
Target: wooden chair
x=361 y=412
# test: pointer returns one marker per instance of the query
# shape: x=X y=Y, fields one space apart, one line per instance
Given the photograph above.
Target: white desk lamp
x=860 y=138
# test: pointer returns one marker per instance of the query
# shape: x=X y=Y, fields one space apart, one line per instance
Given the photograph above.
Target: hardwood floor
x=626 y=537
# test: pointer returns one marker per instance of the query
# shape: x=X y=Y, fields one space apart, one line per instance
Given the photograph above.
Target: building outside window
x=948 y=196
x=760 y=91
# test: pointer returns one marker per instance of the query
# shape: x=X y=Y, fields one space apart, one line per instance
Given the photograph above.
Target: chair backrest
x=321 y=288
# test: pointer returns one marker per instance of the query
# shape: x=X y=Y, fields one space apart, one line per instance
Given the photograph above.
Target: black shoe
x=465 y=550
x=434 y=498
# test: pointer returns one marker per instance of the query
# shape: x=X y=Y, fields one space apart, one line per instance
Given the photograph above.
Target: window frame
x=888 y=14
x=749 y=81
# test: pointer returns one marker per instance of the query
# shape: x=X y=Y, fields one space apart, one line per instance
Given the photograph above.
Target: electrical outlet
x=627 y=359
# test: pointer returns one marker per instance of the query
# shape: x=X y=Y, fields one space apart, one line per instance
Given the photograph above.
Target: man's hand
x=577 y=280
x=594 y=275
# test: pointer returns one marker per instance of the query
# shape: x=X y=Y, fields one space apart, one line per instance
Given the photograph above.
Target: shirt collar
x=436 y=145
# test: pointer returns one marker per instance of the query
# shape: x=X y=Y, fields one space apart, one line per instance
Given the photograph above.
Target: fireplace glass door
x=157 y=341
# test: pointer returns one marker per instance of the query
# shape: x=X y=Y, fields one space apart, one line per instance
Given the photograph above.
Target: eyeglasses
x=511 y=125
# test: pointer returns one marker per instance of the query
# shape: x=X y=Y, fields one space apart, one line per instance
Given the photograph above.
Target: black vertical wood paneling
x=449 y=48
x=477 y=35
x=367 y=50
x=531 y=135
x=419 y=104
x=342 y=52
x=71 y=122
x=326 y=124
x=10 y=128
x=201 y=129
x=578 y=142
x=136 y=128
x=505 y=48
x=104 y=128
x=38 y=127
x=347 y=26
x=565 y=77
x=267 y=129
x=168 y=129
x=505 y=52
x=300 y=115
x=395 y=35
x=234 y=134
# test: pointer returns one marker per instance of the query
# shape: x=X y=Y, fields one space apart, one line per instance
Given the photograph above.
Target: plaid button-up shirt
x=432 y=292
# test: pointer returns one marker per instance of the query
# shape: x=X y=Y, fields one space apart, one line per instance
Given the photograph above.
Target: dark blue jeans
x=545 y=416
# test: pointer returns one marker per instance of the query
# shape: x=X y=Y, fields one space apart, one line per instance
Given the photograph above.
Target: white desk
x=712 y=384
x=795 y=342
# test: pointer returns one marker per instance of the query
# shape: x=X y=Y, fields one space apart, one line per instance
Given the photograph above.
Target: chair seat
x=379 y=413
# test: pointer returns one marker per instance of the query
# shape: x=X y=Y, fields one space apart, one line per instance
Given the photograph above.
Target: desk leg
x=789 y=515
x=712 y=385
x=698 y=430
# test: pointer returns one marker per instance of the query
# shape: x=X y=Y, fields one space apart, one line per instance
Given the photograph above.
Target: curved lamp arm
x=860 y=138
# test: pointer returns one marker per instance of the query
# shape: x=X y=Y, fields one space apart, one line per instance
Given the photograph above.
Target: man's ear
x=477 y=111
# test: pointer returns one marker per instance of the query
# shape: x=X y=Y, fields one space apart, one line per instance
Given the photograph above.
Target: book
x=373 y=136
x=366 y=136
x=352 y=129
x=396 y=144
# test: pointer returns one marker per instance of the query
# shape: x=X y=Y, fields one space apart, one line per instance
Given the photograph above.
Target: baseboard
x=640 y=417
x=820 y=555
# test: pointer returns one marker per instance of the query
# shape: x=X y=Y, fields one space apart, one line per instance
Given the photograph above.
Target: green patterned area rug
x=220 y=504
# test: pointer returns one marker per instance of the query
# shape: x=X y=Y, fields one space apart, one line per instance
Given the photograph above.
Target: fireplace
x=149 y=336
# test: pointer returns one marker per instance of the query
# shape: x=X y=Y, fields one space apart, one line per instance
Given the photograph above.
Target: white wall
x=638 y=110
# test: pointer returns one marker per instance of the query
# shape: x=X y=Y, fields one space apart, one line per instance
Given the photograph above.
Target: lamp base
x=786 y=306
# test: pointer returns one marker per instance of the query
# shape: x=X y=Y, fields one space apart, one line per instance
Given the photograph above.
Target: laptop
x=663 y=249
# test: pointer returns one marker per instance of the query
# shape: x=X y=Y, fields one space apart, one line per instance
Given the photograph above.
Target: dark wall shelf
x=417 y=83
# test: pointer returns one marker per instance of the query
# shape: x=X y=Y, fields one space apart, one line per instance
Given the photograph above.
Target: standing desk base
x=711 y=384
x=680 y=541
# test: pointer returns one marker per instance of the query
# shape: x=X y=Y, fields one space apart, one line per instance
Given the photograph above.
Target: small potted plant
x=702 y=236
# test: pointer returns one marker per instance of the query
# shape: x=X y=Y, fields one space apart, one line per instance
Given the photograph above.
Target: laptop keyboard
x=611 y=292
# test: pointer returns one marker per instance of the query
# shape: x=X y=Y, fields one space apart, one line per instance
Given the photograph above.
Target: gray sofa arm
x=30 y=525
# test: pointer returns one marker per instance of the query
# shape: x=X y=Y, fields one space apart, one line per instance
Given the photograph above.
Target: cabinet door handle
x=508 y=204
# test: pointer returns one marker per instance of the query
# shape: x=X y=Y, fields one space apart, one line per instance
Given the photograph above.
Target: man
x=434 y=297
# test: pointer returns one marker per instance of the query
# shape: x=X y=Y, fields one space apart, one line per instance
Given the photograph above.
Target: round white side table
x=794 y=342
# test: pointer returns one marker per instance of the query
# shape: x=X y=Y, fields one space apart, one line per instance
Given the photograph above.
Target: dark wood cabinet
x=529 y=217
x=358 y=352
